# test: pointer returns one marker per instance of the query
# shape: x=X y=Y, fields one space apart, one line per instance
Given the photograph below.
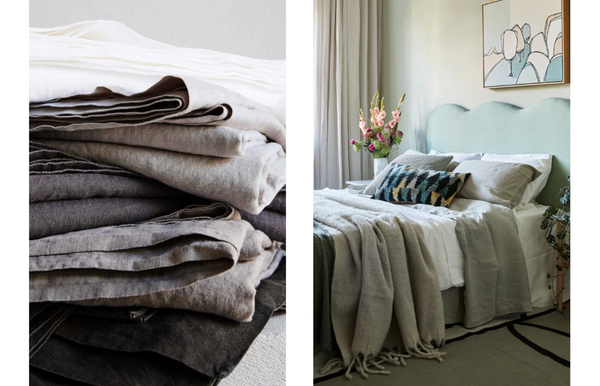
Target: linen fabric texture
x=419 y=161
x=500 y=183
x=249 y=182
x=170 y=252
x=105 y=351
x=407 y=184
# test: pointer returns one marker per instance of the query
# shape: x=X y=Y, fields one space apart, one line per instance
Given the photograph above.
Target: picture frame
x=525 y=43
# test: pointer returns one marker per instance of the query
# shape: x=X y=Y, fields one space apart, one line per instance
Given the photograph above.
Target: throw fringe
x=364 y=366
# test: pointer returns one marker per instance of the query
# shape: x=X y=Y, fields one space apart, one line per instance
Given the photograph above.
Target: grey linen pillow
x=417 y=161
x=496 y=182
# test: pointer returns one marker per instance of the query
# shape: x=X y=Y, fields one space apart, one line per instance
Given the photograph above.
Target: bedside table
x=357 y=186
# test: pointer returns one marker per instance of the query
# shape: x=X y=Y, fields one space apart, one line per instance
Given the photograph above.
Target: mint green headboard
x=502 y=128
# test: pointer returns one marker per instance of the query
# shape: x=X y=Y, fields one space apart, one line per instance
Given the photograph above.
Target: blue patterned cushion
x=432 y=187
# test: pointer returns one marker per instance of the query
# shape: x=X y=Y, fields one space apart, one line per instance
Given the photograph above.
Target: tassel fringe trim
x=373 y=365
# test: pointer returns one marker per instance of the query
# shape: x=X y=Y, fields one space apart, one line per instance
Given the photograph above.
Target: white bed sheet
x=448 y=257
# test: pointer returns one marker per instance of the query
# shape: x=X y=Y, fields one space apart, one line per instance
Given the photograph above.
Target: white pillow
x=460 y=157
x=410 y=151
x=542 y=162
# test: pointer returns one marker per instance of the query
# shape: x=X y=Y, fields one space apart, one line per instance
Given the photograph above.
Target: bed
x=497 y=128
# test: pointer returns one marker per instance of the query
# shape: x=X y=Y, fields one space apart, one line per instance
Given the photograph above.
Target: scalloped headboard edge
x=502 y=128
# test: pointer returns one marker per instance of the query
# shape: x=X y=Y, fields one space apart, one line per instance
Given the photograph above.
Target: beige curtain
x=347 y=65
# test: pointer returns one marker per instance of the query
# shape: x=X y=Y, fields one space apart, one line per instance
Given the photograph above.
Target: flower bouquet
x=380 y=138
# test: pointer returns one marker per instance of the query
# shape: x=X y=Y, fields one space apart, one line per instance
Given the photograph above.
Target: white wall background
x=254 y=28
x=432 y=50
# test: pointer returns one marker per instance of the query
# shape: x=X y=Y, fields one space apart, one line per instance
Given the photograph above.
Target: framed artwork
x=525 y=43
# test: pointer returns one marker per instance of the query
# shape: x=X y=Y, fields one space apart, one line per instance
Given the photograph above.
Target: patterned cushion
x=408 y=184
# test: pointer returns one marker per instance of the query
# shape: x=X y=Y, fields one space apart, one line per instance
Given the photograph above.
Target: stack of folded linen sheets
x=157 y=207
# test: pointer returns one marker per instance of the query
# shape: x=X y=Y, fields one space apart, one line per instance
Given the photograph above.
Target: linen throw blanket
x=386 y=300
x=496 y=281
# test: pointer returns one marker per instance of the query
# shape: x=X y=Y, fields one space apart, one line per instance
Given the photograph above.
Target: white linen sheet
x=109 y=49
x=449 y=259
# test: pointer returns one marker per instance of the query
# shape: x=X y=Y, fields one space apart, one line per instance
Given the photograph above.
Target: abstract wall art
x=525 y=43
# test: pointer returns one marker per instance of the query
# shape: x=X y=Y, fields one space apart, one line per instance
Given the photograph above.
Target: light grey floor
x=264 y=363
x=494 y=358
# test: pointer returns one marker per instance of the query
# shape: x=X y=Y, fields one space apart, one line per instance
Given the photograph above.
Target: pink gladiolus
x=352 y=142
x=372 y=147
x=396 y=115
x=382 y=115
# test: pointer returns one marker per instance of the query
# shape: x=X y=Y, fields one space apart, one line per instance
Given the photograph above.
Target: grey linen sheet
x=56 y=217
x=385 y=293
x=230 y=294
x=181 y=101
x=496 y=281
x=82 y=185
x=249 y=182
x=68 y=193
x=270 y=222
x=216 y=141
x=166 y=253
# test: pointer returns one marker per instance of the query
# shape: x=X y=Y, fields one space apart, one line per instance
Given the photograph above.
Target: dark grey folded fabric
x=58 y=217
x=77 y=186
x=39 y=377
x=270 y=222
x=88 y=365
x=323 y=259
x=278 y=203
x=173 y=348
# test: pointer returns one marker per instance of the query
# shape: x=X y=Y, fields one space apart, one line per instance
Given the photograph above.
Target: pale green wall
x=432 y=51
